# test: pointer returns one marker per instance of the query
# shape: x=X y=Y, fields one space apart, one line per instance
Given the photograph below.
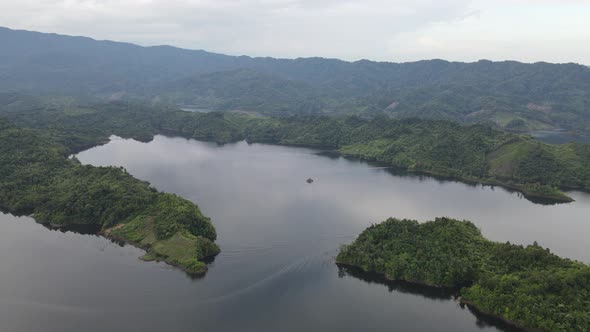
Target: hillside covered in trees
x=38 y=179
x=528 y=286
x=509 y=94
x=475 y=153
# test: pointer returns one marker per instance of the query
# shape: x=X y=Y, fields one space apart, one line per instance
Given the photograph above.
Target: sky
x=393 y=30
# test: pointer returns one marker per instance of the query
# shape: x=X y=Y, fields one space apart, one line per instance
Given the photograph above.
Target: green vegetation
x=508 y=94
x=474 y=153
x=375 y=108
x=38 y=179
x=528 y=286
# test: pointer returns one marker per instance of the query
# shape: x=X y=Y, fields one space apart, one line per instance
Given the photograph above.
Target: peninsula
x=39 y=179
x=471 y=153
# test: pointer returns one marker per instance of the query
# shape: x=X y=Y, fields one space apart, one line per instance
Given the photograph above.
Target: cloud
x=260 y=27
x=375 y=29
x=518 y=30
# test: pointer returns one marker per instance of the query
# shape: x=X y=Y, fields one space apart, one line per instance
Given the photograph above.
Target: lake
x=558 y=137
x=194 y=109
x=278 y=236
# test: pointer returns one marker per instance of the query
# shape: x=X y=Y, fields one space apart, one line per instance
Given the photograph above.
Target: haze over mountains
x=507 y=94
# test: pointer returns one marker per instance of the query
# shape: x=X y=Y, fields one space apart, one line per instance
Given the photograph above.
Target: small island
x=40 y=180
x=528 y=287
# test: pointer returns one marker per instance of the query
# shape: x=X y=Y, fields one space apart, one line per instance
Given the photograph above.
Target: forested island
x=472 y=153
x=60 y=95
x=526 y=286
x=38 y=179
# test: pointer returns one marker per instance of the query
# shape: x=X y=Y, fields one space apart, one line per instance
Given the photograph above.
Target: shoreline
x=150 y=255
x=384 y=276
x=511 y=323
x=453 y=290
x=552 y=199
x=532 y=196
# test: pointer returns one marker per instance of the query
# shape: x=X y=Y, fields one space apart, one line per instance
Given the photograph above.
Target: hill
x=510 y=95
x=473 y=153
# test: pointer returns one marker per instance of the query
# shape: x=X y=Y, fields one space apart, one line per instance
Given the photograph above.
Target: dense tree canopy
x=526 y=285
x=475 y=153
x=38 y=179
x=507 y=94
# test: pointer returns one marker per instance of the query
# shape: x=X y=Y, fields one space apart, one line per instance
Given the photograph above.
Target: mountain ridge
x=507 y=94
x=54 y=34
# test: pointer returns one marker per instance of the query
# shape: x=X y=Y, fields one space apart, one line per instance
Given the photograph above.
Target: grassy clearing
x=182 y=249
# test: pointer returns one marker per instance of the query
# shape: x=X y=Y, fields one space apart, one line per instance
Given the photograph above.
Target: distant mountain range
x=508 y=94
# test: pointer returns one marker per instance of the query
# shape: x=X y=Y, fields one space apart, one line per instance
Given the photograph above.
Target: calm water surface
x=278 y=236
x=558 y=137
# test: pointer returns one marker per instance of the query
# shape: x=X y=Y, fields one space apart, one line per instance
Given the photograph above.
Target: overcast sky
x=393 y=30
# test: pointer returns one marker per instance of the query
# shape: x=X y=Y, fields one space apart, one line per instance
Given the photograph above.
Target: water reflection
x=484 y=321
x=558 y=137
x=424 y=176
x=85 y=229
x=432 y=293
x=278 y=236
